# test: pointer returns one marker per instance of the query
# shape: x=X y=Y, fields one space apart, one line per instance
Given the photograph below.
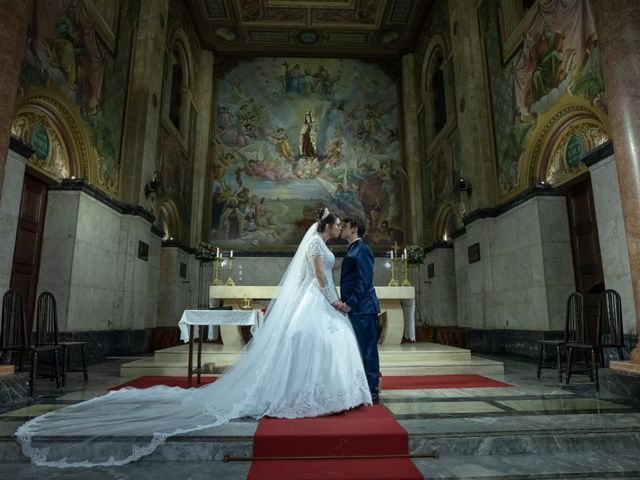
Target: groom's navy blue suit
x=356 y=290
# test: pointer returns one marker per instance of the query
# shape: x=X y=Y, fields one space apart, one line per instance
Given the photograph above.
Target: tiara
x=325 y=213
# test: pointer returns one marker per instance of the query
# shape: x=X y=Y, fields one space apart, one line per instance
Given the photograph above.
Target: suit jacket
x=356 y=280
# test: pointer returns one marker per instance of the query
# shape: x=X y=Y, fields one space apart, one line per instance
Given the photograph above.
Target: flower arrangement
x=415 y=255
x=206 y=252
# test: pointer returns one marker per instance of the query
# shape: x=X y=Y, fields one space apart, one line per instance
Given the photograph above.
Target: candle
x=217 y=252
x=231 y=254
x=405 y=254
x=391 y=252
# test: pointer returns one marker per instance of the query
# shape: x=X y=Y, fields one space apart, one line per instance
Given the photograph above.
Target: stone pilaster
x=474 y=157
x=203 y=101
x=412 y=151
x=619 y=36
x=13 y=39
x=142 y=121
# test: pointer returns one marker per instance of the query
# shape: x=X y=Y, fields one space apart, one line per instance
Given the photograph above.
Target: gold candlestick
x=405 y=280
x=230 y=281
x=216 y=275
x=393 y=282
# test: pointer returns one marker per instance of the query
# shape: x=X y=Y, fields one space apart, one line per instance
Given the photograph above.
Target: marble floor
x=533 y=429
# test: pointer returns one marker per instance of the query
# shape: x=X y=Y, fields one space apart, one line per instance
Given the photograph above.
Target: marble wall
x=90 y=263
x=176 y=293
x=10 y=196
x=436 y=300
x=268 y=270
x=474 y=280
x=525 y=271
x=612 y=236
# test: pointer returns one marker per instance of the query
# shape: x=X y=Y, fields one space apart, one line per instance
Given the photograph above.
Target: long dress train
x=303 y=362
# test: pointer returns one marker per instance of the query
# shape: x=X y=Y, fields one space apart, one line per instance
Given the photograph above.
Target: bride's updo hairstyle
x=324 y=218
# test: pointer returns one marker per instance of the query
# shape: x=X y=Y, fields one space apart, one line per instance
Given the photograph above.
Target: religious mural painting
x=73 y=54
x=295 y=134
x=558 y=62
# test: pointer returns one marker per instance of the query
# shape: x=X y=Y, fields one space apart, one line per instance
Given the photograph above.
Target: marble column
x=474 y=150
x=140 y=156
x=13 y=39
x=203 y=101
x=619 y=36
x=412 y=150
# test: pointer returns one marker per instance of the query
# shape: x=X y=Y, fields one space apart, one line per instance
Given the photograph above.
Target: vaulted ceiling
x=309 y=27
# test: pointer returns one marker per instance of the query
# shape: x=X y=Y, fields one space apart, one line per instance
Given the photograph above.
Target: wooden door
x=26 y=257
x=587 y=262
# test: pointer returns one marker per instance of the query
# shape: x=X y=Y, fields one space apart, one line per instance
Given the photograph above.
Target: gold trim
x=174 y=227
x=73 y=132
x=555 y=121
x=551 y=126
x=592 y=135
x=444 y=212
x=23 y=126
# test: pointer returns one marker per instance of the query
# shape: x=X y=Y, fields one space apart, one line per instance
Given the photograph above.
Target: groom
x=359 y=300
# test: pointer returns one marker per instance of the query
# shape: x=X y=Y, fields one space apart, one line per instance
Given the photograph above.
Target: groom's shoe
x=375 y=398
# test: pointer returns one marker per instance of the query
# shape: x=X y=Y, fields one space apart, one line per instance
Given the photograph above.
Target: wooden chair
x=578 y=339
x=47 y=312
x=574 y=316
x=45 y=340
x=13 y=327
x=610 y=333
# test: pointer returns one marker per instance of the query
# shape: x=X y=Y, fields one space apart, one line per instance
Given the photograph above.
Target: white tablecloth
x=213 y=318
x=409 y=313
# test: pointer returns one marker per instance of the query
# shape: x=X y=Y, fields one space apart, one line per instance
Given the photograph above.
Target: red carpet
x=387 y=383
x=369 y=432
x=438 y=381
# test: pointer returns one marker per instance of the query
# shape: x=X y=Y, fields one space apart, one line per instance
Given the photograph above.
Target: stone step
x=586 y=446
x=474 y=365
x=575 y=465
x=401 y=355
x=153 y=366
x=498 y=467
x=405 y=359
x=200 y=470
x=608 y=433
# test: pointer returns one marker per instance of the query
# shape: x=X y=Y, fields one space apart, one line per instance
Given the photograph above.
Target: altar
x=397 y=303
x=396 y=358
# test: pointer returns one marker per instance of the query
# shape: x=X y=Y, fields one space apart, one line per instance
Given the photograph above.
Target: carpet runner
x=387 y=382
x=419 y=382
x=362 y=444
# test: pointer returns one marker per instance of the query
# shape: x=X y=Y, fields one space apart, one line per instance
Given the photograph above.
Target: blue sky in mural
x=295 y=134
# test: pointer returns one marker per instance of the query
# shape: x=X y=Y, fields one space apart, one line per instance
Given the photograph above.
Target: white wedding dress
x=303 y=362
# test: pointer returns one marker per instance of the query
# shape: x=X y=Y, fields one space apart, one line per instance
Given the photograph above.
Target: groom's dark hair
x=358 y=223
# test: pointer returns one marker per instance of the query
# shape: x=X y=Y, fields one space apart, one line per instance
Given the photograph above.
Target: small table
x=222 y=317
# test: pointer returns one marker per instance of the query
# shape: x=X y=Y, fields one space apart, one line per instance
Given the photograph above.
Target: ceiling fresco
x=309 y=27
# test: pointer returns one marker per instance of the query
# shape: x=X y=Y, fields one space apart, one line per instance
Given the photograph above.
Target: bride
x=303 y=362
